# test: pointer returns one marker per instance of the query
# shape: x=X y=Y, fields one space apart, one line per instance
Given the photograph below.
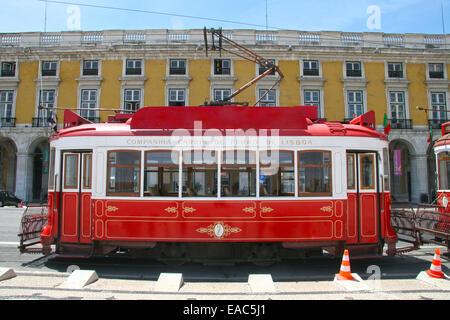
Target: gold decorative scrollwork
x=219 y=230
x=188 y=209
x=326 y=209
x=111 y=209
x=171 y=209
x=266 y=209
x=249 y=210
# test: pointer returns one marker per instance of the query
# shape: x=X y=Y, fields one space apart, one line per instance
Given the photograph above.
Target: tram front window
x=238 y=174
x=314 y=173
x=444 y=170
x=277 y=176
x=123 y=173
x=199 y=174
x=161 y=174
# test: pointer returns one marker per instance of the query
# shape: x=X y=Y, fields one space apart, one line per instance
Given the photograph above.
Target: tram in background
x=211 y=183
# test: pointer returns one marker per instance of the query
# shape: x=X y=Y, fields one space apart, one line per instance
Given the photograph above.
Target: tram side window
x=51 y=169
x=238 y=174
x=124 y=168
x=199 y=173
x=444 y=170
x=351 y=182
x=161 y=173
x=277 y=177
x=387 y=184
x=314 y=173
x=367 y=171
x=71 y=171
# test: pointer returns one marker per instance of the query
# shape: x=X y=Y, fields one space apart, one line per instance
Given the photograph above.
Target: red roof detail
x=230 y=117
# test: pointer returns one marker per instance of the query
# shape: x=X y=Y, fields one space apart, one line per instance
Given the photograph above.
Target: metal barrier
x=33 y=221
x=427 y=223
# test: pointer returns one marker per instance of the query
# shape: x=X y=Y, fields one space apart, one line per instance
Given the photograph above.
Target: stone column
x=24 y=176
x=419 y=176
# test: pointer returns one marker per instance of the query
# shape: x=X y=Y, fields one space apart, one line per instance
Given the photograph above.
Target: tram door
x=76 y=194
x=362 y=214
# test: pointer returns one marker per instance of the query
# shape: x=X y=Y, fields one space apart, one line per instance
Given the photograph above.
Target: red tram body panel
x=171 y=176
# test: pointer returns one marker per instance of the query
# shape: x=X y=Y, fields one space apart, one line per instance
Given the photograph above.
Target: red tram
x=199 y=183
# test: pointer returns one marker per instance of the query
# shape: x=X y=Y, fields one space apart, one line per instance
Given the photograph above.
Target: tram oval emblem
x=218 y=230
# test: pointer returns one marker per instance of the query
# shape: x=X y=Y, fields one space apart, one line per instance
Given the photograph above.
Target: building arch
x=8 y=160
x=402 y=154
x=38 y=152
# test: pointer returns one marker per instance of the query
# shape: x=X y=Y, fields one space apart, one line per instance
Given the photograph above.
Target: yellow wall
x=376 y=90
x=154 y=90
x=333 y=88
x=68 y=87
x=289 y=86
x=245 y=71
x=417 y=92
x=26 y=94
x=199 y=87
x=111 y=86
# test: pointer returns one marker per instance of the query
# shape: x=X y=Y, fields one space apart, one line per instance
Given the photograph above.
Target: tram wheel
x=264 y=255
x=173 y=254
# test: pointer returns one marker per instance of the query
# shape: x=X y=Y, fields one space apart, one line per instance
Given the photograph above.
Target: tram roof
x=163 y=121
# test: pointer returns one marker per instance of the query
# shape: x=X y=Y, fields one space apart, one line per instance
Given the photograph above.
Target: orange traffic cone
x=435 y=269
x=345 y=273
x=21 y=204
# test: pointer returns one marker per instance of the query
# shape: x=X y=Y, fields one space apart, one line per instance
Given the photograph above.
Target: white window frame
x=99 y=67
x=177 y=89
x=403 y=66
x=91 y=103
x=221 y=74
x=444 y=70
x=43 y=63
x=6 y=104
x=309 y=61
x=124 y=97
x=133 y=60
x=177 y=60
x=320 y=111
x=274 y=92
x=361 y=66
x=214 y=90
x=348 y=103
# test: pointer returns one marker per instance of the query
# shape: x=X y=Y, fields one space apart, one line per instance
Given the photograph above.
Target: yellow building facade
x=343 y=74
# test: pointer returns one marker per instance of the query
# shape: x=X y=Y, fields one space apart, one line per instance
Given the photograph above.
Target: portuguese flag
x=386 y=125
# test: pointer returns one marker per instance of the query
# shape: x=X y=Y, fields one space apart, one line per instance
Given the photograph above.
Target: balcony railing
x=42 y=122
x=437 y=123
x=400 y=123
x=7 y=122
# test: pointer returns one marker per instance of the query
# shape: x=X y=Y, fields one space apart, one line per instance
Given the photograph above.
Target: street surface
x=42 y=278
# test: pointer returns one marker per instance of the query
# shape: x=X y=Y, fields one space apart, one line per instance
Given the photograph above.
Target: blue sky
x=389 y=16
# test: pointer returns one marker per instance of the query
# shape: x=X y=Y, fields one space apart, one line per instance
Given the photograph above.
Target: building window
x=222 y=66
x=353 y=69
x=314 y=170
x=49 y=68
x=199 y=173
x=221 y=94
x=436 y=70
x=310 y=68
x=398 y=110
x=124 y=169
x=438 y=105
x=177 y=66
x=161 y=173
x=395 y=70
x=90 y=68
x=277 y=178
x=177 y=97
x=88 y=102
x=238 y=174
x=269 y=99
x=132 y=100
x=355 y=103
x=6 y=108
x=46 y=114
x=263 y=68
x=8 y=69
x=133 y=67
x=312 y=98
